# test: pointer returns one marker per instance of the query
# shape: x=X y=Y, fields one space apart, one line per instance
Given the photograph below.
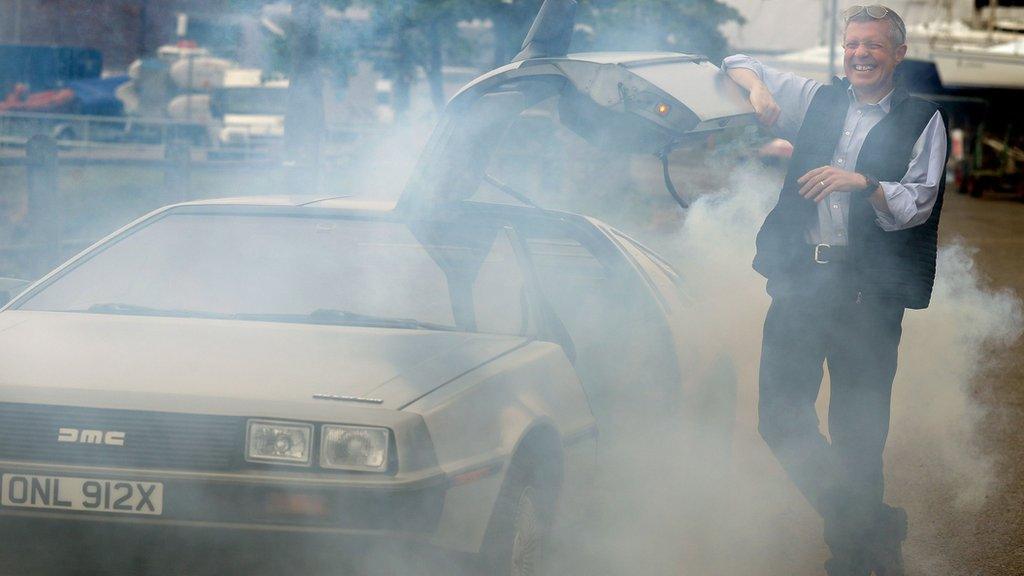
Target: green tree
x=304 y=118
x=510 y=21
x=418 y=34
x=411 y=34
x=675 y=25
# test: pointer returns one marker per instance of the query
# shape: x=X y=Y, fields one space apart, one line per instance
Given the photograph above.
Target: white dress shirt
x=910 y=201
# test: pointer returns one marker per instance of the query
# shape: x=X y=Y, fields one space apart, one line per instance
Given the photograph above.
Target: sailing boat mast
x=833 y=16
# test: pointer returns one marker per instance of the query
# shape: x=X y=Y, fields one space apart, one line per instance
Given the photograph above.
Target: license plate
x=90 y=494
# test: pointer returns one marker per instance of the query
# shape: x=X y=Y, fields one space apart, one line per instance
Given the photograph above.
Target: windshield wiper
x=320 y=316
x=136 y=310
x=346 y=317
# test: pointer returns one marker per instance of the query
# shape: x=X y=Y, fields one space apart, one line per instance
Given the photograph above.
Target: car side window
x=624 y=350
x=665 y=280
x=499 y=291
x=578 y=286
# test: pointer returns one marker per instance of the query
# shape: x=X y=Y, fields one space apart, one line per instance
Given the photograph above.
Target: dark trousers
x=859 y=341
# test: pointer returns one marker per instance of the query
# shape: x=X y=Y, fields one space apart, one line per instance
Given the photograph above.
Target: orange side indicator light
x=475 y=474
x=662 y=109
x=289 y=504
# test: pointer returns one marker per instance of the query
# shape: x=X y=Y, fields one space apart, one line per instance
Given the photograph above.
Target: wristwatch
x=872 y=185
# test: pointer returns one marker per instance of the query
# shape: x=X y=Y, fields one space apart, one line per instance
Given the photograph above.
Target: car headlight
x=279 y=442
x=354 y=448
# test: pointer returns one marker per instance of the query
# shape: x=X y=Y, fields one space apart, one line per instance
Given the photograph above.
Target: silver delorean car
x=440 y=369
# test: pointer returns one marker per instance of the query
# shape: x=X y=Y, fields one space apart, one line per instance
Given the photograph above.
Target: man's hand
x=760 y=98
x=764 y=105
x=817 y=184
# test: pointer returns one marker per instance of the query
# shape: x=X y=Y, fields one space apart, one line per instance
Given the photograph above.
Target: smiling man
x=850 y=245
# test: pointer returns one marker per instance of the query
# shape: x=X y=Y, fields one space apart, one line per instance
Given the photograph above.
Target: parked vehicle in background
x=250 y=108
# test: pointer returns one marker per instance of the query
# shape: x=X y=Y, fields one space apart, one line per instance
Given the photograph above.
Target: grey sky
x=796 y=24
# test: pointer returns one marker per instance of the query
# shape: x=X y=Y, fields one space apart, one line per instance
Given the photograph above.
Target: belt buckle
x=817 y=253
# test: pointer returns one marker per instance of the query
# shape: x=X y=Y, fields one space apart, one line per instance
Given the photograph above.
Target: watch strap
x=871 y=186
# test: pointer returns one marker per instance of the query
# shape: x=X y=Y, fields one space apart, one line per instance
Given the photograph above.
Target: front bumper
x=356 y=504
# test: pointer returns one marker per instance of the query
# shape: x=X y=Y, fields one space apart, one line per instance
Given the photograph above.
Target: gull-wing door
x=631 y=102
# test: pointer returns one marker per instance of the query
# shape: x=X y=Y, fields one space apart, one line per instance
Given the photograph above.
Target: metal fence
x=140 y=136
x=76 y=131
x=77 y=195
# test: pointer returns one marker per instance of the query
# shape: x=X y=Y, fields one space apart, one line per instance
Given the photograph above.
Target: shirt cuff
x=887 y=220
x=741 y=61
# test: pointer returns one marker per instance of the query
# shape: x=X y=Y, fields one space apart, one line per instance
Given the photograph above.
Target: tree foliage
x=410 y=35
x=510 y=21
x=420 y=34
x=691 y=26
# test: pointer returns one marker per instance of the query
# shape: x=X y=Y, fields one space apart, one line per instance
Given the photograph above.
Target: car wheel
x=519 y=527
x=528 y=536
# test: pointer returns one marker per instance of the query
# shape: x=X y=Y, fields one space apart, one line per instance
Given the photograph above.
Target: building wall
x=122 y=29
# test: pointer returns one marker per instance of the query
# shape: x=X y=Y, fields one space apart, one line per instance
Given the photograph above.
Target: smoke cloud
x=717 y=502
x=678 y=498
x=707 y=497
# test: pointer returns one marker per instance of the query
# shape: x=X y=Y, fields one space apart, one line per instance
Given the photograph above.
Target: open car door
x=630 y=102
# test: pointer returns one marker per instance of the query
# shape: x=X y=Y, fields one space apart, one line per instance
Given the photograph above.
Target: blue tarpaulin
x=46 y=67
x=95 y=96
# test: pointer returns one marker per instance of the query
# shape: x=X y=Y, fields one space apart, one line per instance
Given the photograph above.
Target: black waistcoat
x=897 y=266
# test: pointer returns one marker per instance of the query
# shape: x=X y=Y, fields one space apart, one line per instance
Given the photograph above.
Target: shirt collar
x=885 y=103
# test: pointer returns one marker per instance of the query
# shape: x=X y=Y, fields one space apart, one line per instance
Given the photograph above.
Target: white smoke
x=383 y=163
x=745 y=516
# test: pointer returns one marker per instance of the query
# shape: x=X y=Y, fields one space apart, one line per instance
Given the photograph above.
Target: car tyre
x=528 y=535
x=519 y=527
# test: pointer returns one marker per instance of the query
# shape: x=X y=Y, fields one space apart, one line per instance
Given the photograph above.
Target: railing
x=77 y=131
x=144 y=136
x=77 y=195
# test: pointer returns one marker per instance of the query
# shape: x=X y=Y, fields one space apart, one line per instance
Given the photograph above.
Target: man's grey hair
x=897 y=29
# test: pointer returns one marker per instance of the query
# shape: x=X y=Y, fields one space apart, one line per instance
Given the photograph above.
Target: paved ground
x=991 y=542
x=954 y=459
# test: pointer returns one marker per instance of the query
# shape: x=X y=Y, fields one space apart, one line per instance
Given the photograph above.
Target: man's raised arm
x=760 y=98
x=780 y=99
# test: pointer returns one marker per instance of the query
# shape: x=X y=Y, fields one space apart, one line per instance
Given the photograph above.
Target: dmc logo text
x=110 y=438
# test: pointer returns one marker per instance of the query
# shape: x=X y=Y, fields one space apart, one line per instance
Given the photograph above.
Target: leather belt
x=828 y=254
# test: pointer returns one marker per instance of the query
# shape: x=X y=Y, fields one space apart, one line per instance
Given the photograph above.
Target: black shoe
x=850 y=554
x=886 y=550
x=848 y=533
x=840 y=566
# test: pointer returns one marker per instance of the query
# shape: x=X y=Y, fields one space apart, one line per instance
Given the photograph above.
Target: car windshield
x=312 y=270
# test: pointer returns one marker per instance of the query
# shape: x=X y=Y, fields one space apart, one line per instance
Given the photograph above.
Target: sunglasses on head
x=876 y=11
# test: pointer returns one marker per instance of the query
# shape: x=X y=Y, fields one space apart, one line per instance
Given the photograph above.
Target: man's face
x=870 y=57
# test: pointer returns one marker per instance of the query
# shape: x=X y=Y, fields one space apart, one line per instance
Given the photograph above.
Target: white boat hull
x=980 y=70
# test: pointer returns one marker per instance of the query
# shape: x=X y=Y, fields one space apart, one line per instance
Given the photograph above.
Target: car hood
x=153 y=363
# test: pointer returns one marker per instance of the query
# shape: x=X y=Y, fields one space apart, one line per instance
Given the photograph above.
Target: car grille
x=28 y=432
